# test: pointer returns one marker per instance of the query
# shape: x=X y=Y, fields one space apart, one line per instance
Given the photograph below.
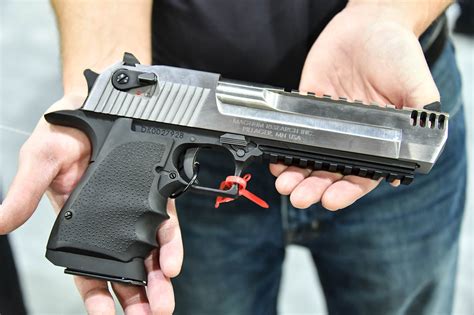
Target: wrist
x=75 y=100
x=69 y=101
x=416 y=16
x=97 y=60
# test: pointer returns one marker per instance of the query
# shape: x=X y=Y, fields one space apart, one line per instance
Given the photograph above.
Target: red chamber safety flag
x=242 y=183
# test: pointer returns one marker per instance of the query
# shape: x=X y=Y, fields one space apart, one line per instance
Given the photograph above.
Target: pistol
x=146 y=125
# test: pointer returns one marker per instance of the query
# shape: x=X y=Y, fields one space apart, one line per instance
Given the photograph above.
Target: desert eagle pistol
x=147 y=124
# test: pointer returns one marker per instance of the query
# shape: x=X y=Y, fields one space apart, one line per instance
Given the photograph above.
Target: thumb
x=35 y=173
x=425 y=93
x=416 y=84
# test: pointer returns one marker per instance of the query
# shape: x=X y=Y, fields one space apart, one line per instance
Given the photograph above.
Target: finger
x=171 y=245
x=346 y=191
x=290 y=178
x=277 y=169
x=132 y=298
x=425 y=91
x=36 y=171
x=396 y=183
x=96 y=296
x=311 y=189
x=160 y=290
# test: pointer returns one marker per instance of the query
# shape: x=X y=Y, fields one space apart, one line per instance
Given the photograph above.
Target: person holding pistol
x=394 y=251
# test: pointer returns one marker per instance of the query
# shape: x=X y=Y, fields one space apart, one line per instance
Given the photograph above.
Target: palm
x=354 y=57
x=376 y=62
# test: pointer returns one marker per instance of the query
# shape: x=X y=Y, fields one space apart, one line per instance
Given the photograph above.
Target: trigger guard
x=188 y=162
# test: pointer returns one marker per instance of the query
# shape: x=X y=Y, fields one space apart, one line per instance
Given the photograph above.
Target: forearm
x=96 y=33
x=416 y=15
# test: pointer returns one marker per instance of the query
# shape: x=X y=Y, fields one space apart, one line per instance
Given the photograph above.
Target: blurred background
x=30 y=81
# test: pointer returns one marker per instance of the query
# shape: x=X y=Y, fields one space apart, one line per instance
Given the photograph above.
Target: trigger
x=189 y=162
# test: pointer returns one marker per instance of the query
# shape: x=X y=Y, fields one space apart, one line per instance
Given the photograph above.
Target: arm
x=346 y=60
x=94 y=34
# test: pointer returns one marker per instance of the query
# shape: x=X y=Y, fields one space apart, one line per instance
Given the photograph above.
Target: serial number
x=162 y=132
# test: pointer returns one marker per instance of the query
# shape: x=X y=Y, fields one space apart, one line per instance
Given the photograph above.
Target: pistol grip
x=108 y=225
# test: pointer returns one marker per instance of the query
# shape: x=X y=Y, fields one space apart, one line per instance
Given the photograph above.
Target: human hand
x=53 y=160
x=367 y=52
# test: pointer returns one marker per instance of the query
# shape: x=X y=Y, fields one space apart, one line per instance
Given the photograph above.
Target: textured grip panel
x=107 y=211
